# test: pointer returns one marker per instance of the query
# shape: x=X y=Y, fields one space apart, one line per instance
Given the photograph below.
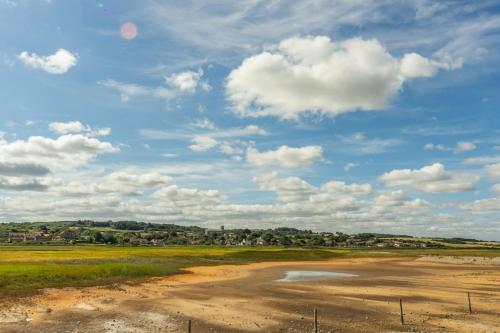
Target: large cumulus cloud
x=315 y=74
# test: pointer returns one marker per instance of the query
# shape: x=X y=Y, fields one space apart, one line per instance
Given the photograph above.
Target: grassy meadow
x=24 y=270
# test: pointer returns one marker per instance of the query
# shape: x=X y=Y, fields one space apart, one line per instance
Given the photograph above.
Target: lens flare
x=101 y=6
x=129 y=30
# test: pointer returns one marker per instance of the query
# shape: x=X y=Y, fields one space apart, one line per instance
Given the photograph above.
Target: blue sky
x=377 y=116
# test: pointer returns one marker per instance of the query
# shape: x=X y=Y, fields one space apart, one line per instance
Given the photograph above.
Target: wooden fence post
x=315 y=320
x=189 y=326
x=468 y=298
x=401 y=311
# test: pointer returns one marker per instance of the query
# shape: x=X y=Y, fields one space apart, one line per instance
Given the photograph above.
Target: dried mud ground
x=246 y=298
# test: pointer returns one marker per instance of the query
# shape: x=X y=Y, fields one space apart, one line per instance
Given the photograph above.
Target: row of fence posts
x=316 y=327
x=402 y=313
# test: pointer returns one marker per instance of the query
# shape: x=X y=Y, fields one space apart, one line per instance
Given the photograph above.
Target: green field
x=24 y=270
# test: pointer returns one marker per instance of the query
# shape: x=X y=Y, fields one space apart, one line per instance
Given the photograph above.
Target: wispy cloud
x=480 y=160
x=187 y=82
x=359 y=144
x=351 y=165
x=241 y=25
x=450 y=130
x=449 y=30
x=129 y=90
x=461 y=147
x=236 y=132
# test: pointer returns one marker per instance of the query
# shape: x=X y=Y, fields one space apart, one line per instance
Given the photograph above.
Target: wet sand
x=247 y=298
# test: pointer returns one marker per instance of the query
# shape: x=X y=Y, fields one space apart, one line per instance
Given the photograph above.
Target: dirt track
x=246 y=299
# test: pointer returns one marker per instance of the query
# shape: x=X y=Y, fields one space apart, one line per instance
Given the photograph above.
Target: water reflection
x=291 y=276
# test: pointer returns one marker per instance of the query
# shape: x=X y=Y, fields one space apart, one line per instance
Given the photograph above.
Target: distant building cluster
x=149 y=234
x=39 y=236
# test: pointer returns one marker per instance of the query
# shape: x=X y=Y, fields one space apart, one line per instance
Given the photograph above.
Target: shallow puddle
x=291 y=276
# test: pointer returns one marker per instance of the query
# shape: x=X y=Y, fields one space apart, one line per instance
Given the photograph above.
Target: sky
x=353 y=116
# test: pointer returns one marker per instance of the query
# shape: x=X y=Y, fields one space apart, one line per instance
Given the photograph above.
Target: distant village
x=148 y=234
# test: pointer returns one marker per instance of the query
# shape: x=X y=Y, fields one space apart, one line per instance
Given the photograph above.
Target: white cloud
x=414 y=65
x=130 y=183
x=432 y=179
x=351 y=165
x=188 y=81
x=483 y=206
x=202 y=143
x=163 y=93
x=73 y=127
x=396 y=203
x=188 y=197
x=22 y=169
x=313 y=74
x=341 y=187
x=461 y=147
x=493 y=170
x=334 y=205
x=203 y=124
x=239 y=132
x=62 y=153
x=21 y=184
x=148 y=179
x=389 y=199
x=99 y=132
x=300 y=195
x=121 y=182
x=289 y=189
x=23 y=176
x=68 y=127
x=204 y=135
x=286 y=156
x=431 y=146
x=233 y=147
x=57 y=63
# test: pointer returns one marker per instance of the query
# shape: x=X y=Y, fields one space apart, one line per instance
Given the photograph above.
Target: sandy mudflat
x=462 y=260
x=247 y=299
